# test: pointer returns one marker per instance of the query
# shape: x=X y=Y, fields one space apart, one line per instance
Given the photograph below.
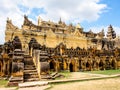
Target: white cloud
x=81 y=10
x=69 y=10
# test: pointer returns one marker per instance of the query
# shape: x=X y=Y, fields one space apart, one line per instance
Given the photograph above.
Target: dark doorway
x=52 y=65
x=80 y=65
x=71 y=67
x=101 y=65
x=88 y=66
x=10 y=69
x=113 y=64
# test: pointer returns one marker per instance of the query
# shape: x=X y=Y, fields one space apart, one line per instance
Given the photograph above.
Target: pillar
x=0 y=68
x=65 y=65
x=4 y=67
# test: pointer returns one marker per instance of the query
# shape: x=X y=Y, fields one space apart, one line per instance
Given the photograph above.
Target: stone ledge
x=83 y=79
x=32 y=84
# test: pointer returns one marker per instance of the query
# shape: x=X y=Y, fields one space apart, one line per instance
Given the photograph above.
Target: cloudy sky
x=91 y=14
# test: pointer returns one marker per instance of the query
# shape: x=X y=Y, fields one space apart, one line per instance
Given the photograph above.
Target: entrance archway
x=88 y=66
x=71 y=67
x=101 y=64
x=113 y=64
x=52 y=65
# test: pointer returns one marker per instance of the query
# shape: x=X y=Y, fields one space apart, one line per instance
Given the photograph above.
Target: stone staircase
x=30 y=72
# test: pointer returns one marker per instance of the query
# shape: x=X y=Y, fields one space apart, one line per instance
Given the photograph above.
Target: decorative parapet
x=10 y=26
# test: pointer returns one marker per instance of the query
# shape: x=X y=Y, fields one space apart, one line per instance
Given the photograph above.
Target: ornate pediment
x=50 y=33
x=77 y=33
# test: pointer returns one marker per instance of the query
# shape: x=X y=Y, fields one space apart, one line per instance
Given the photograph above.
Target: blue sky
x=91 y=14
x=110 y=16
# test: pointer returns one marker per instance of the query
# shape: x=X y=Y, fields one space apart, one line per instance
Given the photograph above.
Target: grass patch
x=105 y=72
x=65 y=73
x=3 y=83
x=51 y=86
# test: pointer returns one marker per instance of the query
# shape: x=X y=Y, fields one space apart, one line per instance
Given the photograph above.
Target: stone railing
x=36 y=56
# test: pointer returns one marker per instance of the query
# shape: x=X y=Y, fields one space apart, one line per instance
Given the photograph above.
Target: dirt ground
x=81 y=75
x=106 y=84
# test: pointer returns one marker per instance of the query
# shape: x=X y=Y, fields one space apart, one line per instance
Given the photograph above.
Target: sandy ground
x=106 y=84
x=35 y=88
x=81 y=75
x=103 y=84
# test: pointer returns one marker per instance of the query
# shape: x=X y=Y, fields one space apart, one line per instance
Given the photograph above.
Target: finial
x=60 y=21
x=110 y=26
x=78 y=26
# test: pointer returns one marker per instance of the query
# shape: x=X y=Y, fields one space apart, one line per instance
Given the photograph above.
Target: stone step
x=32 y=84
x=25 y=71
x=28 y=63
x=29 y=67
x=26 y=56
x=16 y=79
x=31 y=73
x=30 y=76
x=28 y=60
x=46 y=77
x=31 y=79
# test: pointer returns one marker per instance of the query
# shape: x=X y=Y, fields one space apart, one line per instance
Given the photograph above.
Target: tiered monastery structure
x=32 y=51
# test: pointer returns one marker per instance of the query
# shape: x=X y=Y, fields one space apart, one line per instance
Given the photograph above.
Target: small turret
x=79 y=27
x=101 y=34
x=39 y=21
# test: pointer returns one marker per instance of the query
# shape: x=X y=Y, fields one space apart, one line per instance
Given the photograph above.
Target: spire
x=60 y=21
x=111 y=33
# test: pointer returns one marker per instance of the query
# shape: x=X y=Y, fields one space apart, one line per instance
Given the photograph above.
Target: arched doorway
x=88 y=66
x=97 y=65
x=113 y=64
x=80 y=64
x=52 y=66
x=101 y=64
x=71 y=67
